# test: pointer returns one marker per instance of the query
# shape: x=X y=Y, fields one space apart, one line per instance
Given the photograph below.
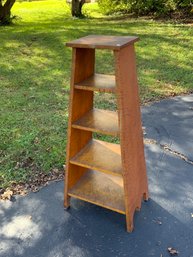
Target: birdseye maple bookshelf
x=106 y=174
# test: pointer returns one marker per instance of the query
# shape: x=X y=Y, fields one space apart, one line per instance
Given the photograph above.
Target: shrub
x=114 y=6
x=145 y=7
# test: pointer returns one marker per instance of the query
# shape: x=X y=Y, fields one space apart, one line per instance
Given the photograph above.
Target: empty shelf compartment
x=101 y=156
x=98 y=82
x=102 y=189
x=101 y=121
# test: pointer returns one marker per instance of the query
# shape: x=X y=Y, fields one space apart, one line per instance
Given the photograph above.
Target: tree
x=77 y=8
x=5 y=11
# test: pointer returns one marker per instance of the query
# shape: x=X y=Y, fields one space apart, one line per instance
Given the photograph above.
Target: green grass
x=35 y=73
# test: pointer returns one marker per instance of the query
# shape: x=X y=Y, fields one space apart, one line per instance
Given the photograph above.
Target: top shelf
x=103 y=42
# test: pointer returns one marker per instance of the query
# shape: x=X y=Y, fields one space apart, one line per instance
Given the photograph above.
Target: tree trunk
x=5 y=11
x=77 y=8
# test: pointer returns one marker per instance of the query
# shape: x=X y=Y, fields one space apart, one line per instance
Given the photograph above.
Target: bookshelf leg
x=129 y=223
x=80 y=102
x=138 y=208
x=146 y=196
x=131 y=136
x=67 y=203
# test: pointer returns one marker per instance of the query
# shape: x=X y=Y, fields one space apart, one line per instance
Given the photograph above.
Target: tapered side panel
x=131 y=135
x=80 y=102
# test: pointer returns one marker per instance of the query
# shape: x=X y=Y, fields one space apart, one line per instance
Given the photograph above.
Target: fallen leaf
x=172 y=251
x=158 y=222
x=33 y=184
x=150 y=141
x=7 y=195
x=22 y=193
x=34 y=188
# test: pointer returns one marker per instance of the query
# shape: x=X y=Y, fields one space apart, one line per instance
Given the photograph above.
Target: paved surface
x=37 y=225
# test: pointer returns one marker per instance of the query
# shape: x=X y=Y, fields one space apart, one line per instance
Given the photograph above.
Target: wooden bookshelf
x=109 y=175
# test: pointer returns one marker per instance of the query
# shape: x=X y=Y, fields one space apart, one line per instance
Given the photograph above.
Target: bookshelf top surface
x=103 y=42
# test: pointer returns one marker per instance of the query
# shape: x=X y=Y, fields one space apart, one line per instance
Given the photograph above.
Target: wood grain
x=98 y=82
x=82 y=67
x=131 y=134
x=102 y=189
x=101 y=121
x=103 y=42
x=101 y=156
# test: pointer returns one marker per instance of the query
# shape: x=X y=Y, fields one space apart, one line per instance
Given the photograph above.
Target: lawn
x=35 y=73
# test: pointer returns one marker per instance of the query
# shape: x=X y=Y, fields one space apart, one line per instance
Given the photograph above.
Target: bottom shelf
x=101 y=189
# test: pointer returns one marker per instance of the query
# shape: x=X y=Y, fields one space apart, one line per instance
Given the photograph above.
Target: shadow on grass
x=154 y=51
x=35 y=76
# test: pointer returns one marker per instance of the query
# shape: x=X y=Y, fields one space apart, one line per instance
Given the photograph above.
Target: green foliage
x=142 y=7
x=145 y=7
x=109 y=6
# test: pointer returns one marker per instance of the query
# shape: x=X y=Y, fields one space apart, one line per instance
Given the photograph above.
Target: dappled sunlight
x=188 y=99
x=29 y=223
x=171 y=124
x=73 y=232
x=20 y=227
x=70 y=248
x=169 y=182
x=5 y=207
x=36 y=67
x=154 y=41
x=12 y=44
x=40 y=10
